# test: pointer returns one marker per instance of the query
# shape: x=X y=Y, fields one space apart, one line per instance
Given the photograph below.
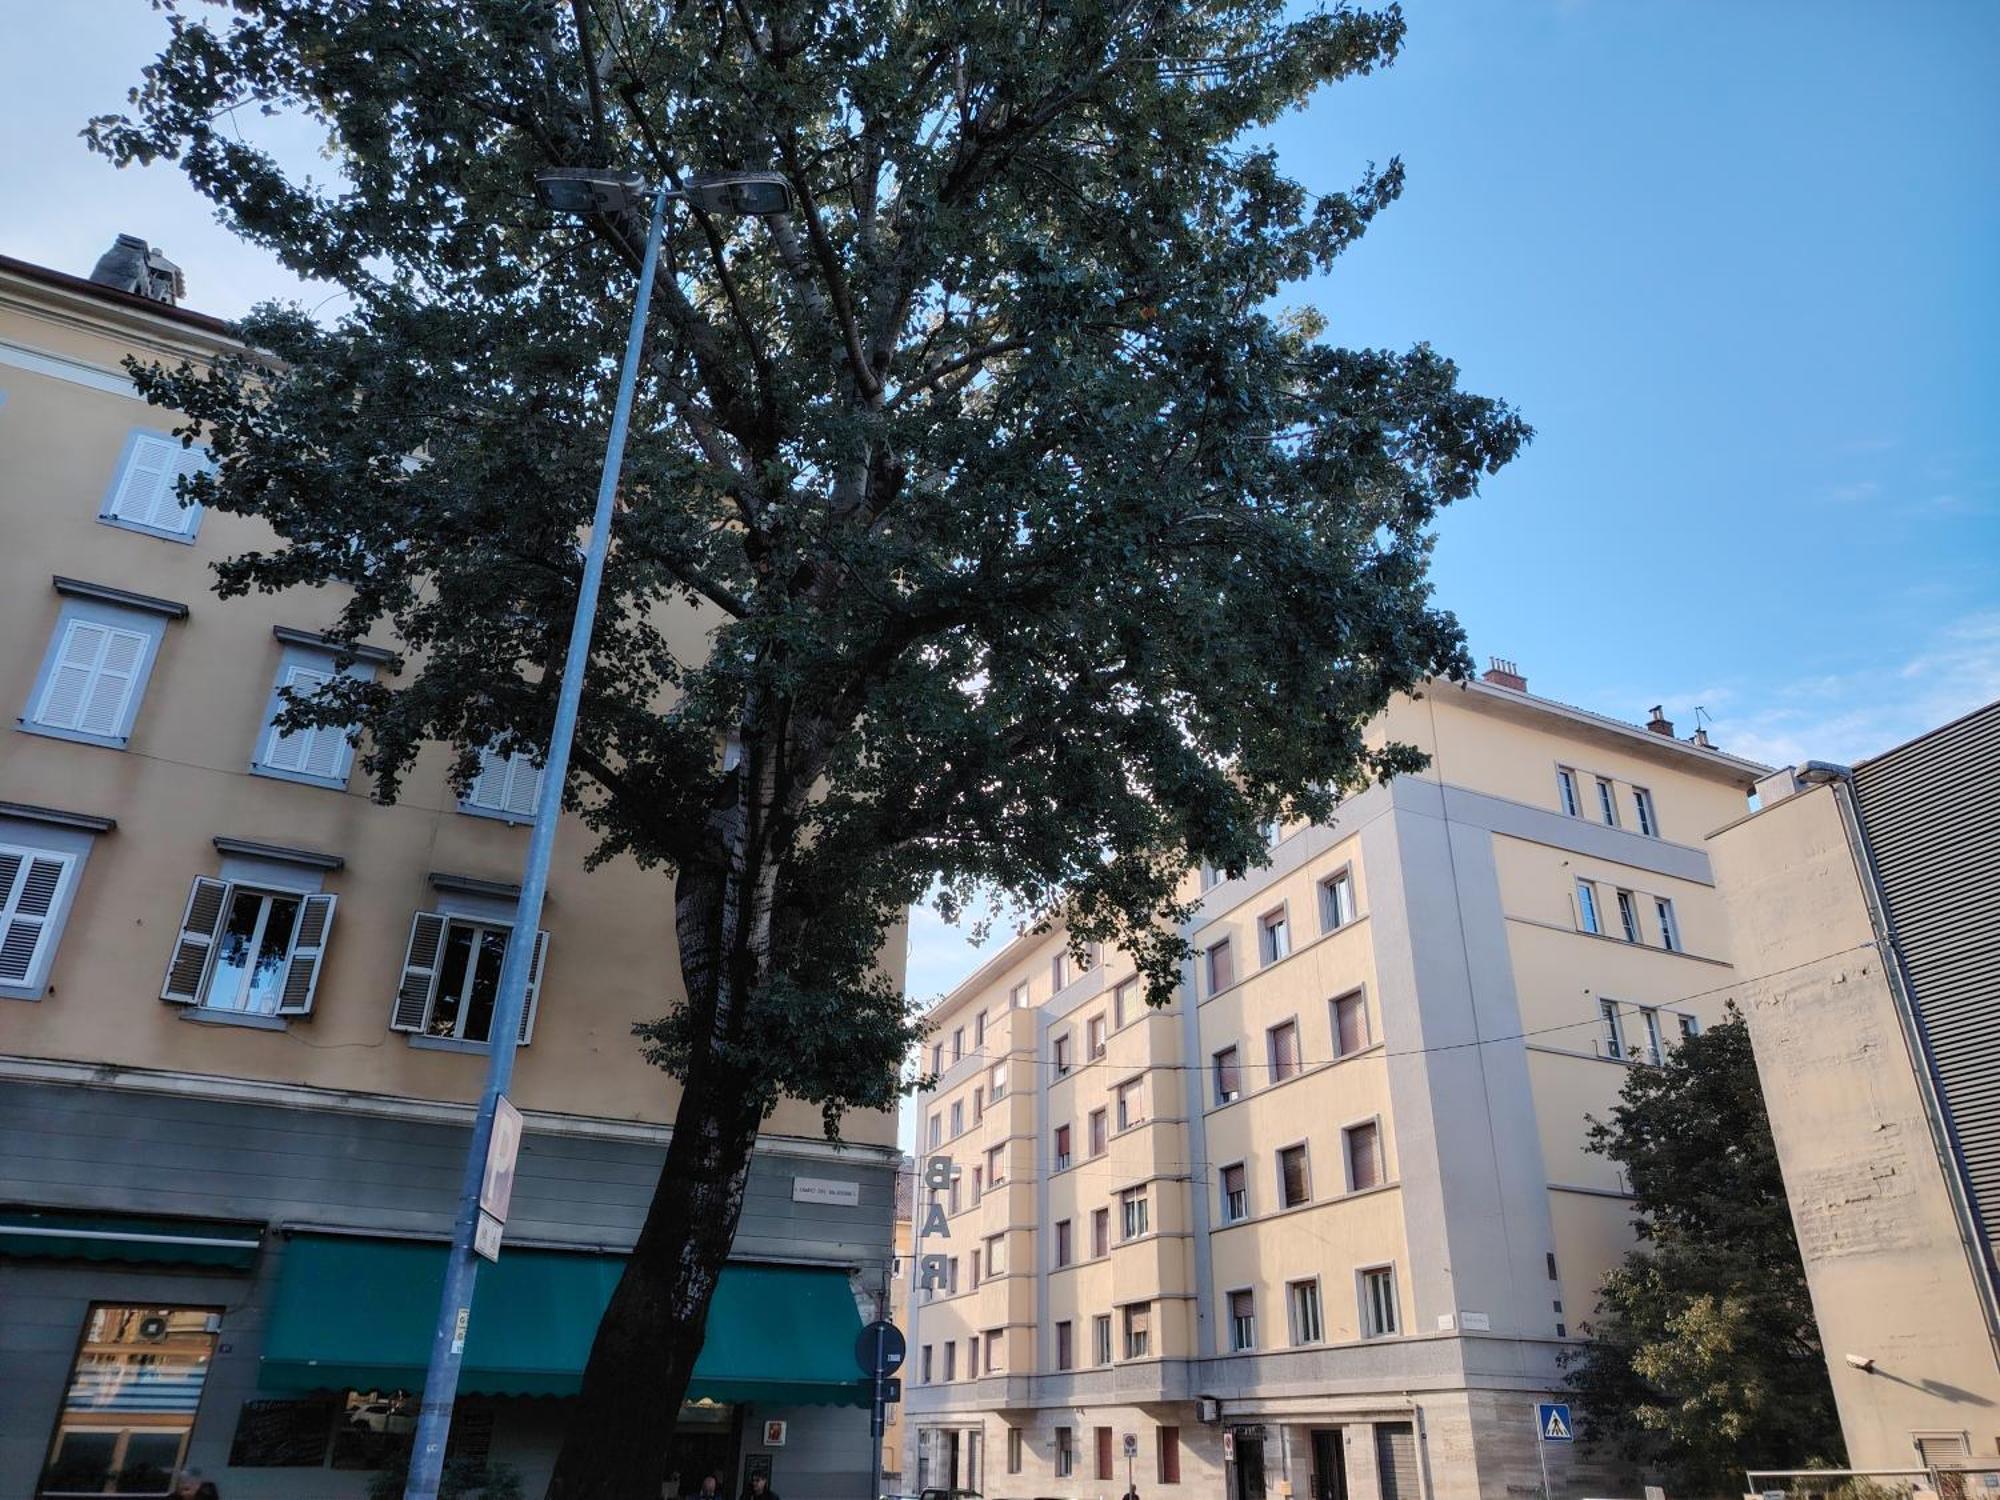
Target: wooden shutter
x=420 y=967
x=30 y=880
x=534 y=994
x=302 y=964
x=207 y=905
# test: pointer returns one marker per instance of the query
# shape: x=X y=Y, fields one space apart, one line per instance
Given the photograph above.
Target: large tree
x=989 y=523
x=1705 y=1359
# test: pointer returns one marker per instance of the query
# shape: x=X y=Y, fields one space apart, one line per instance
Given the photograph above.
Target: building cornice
x=57 y=817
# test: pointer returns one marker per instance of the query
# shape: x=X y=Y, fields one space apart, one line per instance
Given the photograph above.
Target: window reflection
x=131 y=1402
x=247 y=972
x=468 y=981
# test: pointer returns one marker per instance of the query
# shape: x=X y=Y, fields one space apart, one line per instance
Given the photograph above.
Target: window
x=1612 y=1042
x=1350 y=1024
x=950 y=1290
x=144 y=494
x=1013 y=1447
x=1655 y=1047
x=1282 y=1043
x=1138 y=1330
x=1221 y=967
x=972 y=1357
x=1130 y=1100
x=1132 y=1211
x=1364 y=1156
x=1124 y=1003
x=1336 y=900
x=1100 y=1231
x=977 y=1174
x=506 y=786
x=1690 y=1026
x=1586 y=907
x=951 y=1359
x=1607 y=802
x=130 y=1405
x=1019 y=998
x=1649 y=821
x=1566 y=792
x=953 y=1194
x=34 y=887
x=937 y=1131
x=957 y=1118
x=937 y=1058
x=996 y=1166
x=1062 y=1148
x=1242 y=1320
x=1100 y=1339
x=1628 y=917
x=993 y=1351
x=1094 y=1035
x=1170 y=1455
x=1294 y=1180
x=1274 y=833
x=1228 y=1076
x=1670 y=929
x=978 y=1104
x=93 y=674
x=924 y=1365
x=1378 y=1303
x=451 y=978
x=999 y=1081
x=1063 y=1247
x=1103 y=1435
x=1059 y=971
x=1061 y=1054
x=1098 y=1132
x=1065 y=1350
x=996 y=1250
x=1210 y=877
x=319 y=756
x=1065 y=1454
x=248 y=951
x=1235 y=1194
x=1307 y=1325
x=958 y=1044
x=1274 y=935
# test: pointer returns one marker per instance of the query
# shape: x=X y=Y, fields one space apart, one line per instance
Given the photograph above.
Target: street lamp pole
x=577 y=191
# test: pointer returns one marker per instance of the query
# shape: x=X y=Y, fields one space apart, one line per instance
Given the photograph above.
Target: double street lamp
x=581 y=191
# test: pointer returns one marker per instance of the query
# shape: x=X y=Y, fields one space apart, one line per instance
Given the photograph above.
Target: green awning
x=358 y=1313
x=66 y=1234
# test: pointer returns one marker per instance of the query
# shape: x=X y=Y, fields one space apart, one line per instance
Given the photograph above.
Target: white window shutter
x=308 y=947
x=148 y=475
x=30 y=881
x=489 y=787
x=420 y=966
x=310 y=752
x=524 y=787
x=110 y=692
x=75 y=669
x=168 y=512
x=206 y=906
x=534 y=995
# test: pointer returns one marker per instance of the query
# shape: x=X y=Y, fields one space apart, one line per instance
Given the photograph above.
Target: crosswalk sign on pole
x=1553 y=1423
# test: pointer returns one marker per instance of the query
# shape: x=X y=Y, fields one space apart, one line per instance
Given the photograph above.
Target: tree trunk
x=646 y=1346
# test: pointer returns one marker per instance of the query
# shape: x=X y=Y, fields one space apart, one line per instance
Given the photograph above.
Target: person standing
x=759 y=1488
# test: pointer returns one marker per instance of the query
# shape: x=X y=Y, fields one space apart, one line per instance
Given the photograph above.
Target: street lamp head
x=755 y=193
x=590 y=190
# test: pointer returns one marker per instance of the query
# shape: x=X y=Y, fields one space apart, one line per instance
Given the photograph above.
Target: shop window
x=129 y=1408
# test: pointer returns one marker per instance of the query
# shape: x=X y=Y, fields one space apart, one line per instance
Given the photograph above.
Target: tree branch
x=951 y=366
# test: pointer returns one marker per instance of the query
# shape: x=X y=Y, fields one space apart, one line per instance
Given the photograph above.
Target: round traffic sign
x=879 y=1349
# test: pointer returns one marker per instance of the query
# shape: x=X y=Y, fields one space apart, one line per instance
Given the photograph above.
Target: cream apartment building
x=1866 y=903
x=1323 y=1226
x=244 y=1012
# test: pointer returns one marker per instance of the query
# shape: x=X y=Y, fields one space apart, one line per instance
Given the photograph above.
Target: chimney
x=1660 y=723
x=1700 y=737
x=130 y=265
x=1501 y=673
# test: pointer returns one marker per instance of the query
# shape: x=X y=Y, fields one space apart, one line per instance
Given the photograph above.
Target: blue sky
x=1736 y=262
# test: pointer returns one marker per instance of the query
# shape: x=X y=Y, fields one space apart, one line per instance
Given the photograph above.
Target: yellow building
x=1325 y=1224
x=244 y=1008
x=1866 y=905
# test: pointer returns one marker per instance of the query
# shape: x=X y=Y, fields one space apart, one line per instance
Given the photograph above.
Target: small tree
x=1011 y=534
x=1704 y=1359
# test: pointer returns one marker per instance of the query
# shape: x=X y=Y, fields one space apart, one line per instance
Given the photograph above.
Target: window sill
x=28 y=992
x=330 y=783
x=74 y=736
x=495 y=815
x=447 y=1044
x=185 y=538
x=204 y=1017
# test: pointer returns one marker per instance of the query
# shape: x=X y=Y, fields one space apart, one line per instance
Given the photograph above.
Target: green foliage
x=1705 y=1359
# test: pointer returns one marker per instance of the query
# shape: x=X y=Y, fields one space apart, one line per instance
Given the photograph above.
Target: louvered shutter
x=91 y=684
x=206 y=906
x=147 y=476
x=111 y=689
x=302 y=963
x=30 y=881
x=534 y=995
x=309 y=752
x=420 y=966
x=1364 y=1157
x=1351 y=1022
x=1396 y=1461
x=524 y=786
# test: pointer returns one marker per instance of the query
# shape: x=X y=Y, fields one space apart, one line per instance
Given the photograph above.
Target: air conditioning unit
x=1208 y=1410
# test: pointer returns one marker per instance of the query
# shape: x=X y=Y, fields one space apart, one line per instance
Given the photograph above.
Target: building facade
x=244 y=1012
x=1866 y=903
x=1324 y=1225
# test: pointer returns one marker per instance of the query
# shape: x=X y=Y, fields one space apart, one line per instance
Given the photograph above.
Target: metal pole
x=1541 y=1449
x=462 y=1269
x=876 y=1423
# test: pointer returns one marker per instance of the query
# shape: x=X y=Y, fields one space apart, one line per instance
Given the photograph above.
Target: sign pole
x=1541 y=1450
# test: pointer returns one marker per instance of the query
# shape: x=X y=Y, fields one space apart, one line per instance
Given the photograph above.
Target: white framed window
x=144 y=494
x=979 y=1030
x=1065 y=1449
x=249 y=950
x=1586 y=907
x=1566 y=797
x=1607 y=802
x=1649 y=820
x=319 y=756
x=996 y=1250
x=957 y=1118
x=1100 y=1132
x=993 y=1350
x=1274 y=833
x=1294 y=1177
x=1274 y=935
x=1124 y=1003
x=1210 y=877
x=1228 y=1076
x=1133 y=1218
x=1014 y=1443
x=1281 y=1044
x=1350 y=1024
x=94 y=672
x=1129 y=1100
x=1059 y=971
x=958 y=1044
x=1362 y=1146
x=451 y=978
x=1336 y=900
x=1611 y=1037
x=937 y=1057
x=1628 y=917
x=1138 y=1330
x=996 y=1166
x=35 y=885
x=1302 y=1300
x=1242 y=1320
x=937 y=1131
x=1656 y=1051
x=1235 y=1193
x=1221 y=966
x=1094 y=1033
x=1100 y=1339
x=1062 y=1148
x=1059 y=1052
x=1018 y=997
x=506 y=787
x=1378 y=1302
x=999 y=1082
x=1670 y=929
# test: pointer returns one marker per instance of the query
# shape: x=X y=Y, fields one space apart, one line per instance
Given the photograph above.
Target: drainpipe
x=1840 y=780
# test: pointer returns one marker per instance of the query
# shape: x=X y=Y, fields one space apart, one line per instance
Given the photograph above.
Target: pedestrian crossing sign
x=1552 y=1422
